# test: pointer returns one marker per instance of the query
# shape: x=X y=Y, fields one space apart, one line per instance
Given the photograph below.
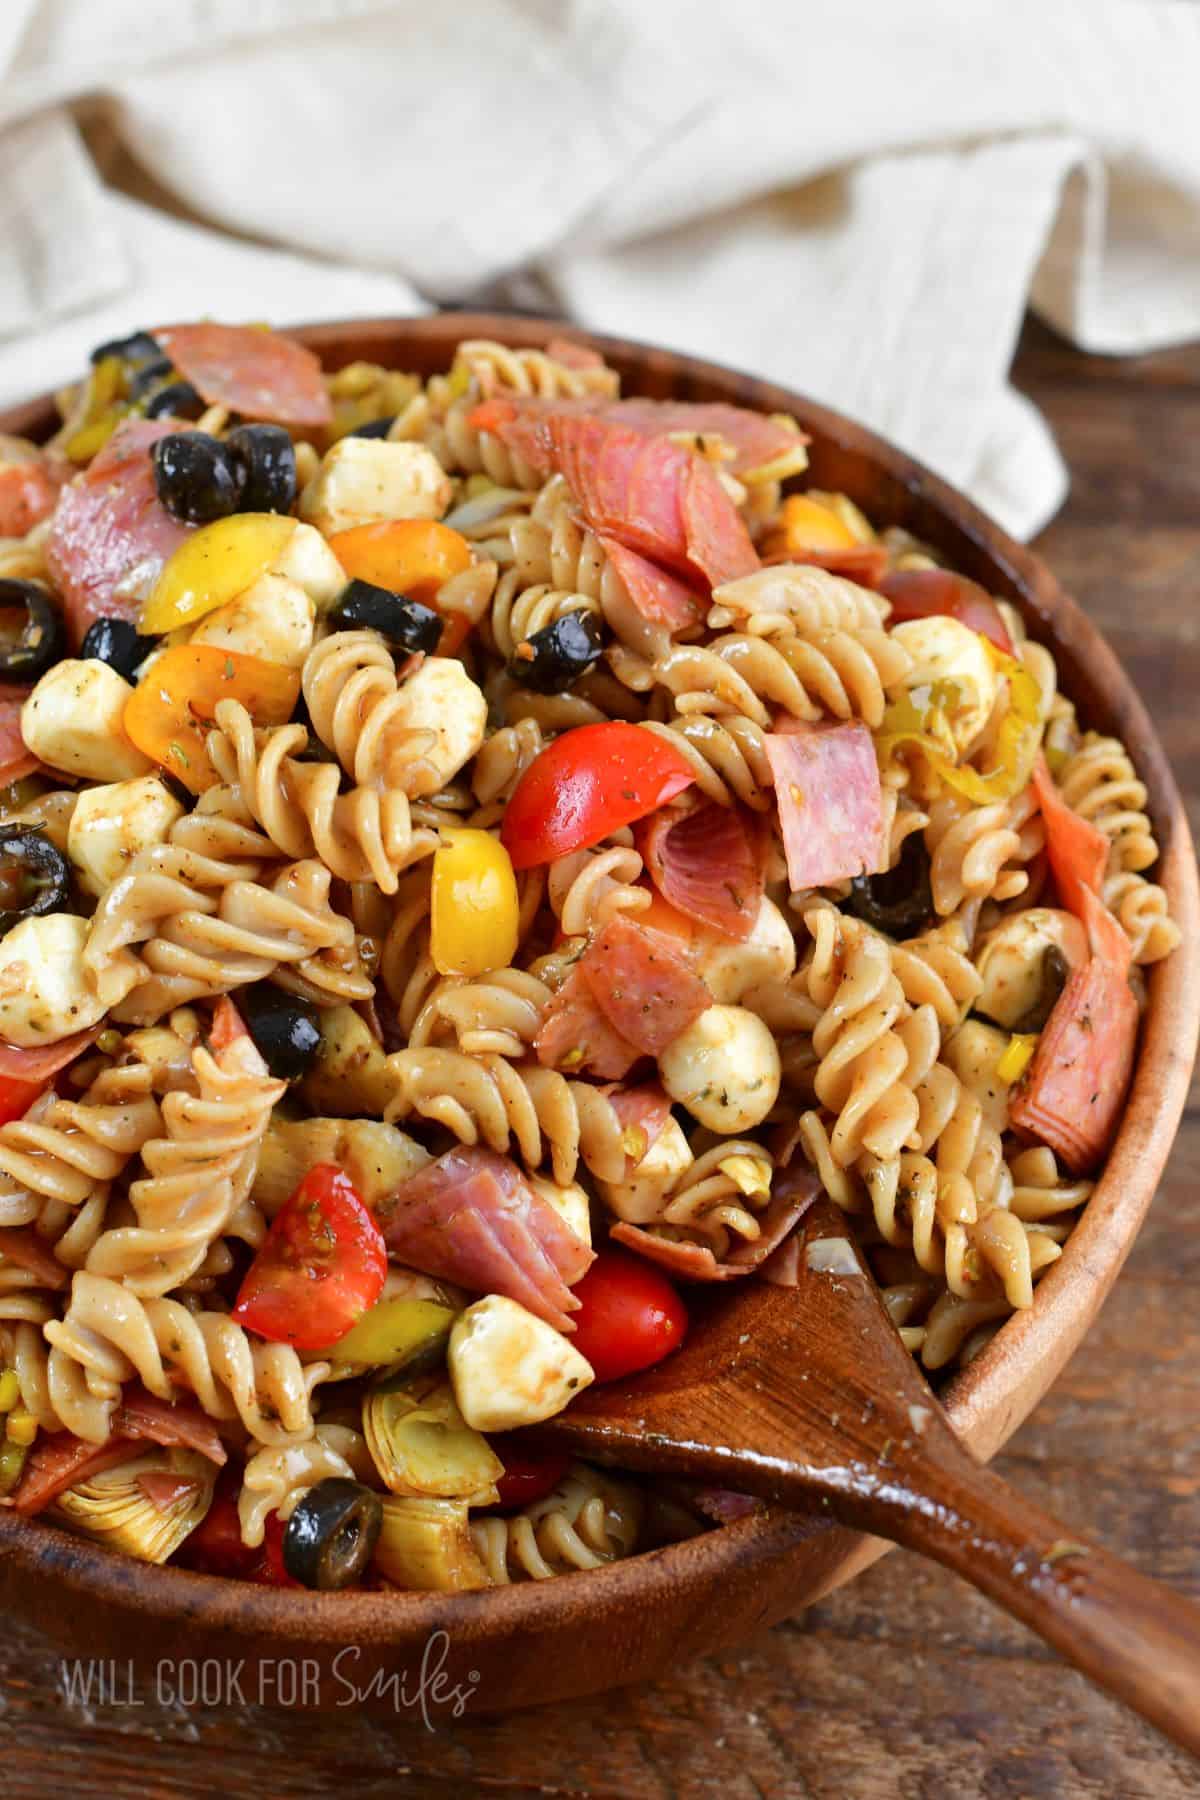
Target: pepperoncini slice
x=169 y=712
x=211 y=567
x=474 y=908
x=921 y=717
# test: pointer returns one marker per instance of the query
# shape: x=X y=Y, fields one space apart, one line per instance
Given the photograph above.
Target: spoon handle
x=1127 y=1633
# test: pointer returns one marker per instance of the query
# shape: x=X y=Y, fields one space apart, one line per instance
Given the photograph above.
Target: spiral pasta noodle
x=590 y=1519
x=1099 y=783
x=108 y=1335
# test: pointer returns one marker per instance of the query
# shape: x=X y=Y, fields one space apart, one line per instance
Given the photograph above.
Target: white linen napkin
x=857 y=200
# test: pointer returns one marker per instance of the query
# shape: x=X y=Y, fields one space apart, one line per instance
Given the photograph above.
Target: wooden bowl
x=529 y=1644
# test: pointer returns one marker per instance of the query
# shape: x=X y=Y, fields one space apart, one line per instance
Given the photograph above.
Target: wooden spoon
x=806 y=1396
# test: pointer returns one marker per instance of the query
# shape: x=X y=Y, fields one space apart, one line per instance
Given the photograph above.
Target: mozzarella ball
x=307 y=560
x=273 y=620
x=724 y=1068
x=73 y=721
x=509 y=1368
x=441 y=698
x=1020 y=964
x=729 y=969
x=45 y=993
x=973 y=1052
x=363 y=480
x=111 y=824
x=570 y=1203
x=640 y=1199
x=944 y=649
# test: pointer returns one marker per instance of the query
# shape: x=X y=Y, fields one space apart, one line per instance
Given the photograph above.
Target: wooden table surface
x=906 y=1683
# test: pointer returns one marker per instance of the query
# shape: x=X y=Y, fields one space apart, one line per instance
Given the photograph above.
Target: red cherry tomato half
x=268 y=1569
x=16 y=1097
x=528 y=1474
x=918 y=593
x=216 y=1547
x=586 y=783
x=630 y=1317
x=321 y=1267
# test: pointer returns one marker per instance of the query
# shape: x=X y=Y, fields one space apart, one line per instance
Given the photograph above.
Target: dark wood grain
x=903 y=1682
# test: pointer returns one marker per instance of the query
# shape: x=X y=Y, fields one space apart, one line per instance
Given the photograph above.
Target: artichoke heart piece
x=376 y=1157
x=350 y=1073
x=400 y=1333
x=146 y=1507
x=421 y=1444
x=426 y=1545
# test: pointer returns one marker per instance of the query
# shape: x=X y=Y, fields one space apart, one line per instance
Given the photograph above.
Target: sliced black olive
x=117 y=643
x=286 y=1029
x=196 y=477
x=331 y=1536
x=899 y=902
x=35 y=876
x=555 y=657
x=375 y=428
x=149 y=378
x=138 y=348
x=1052 y=979
x=178 y=399
x=268 y=459
x=402 y=621
x=40 y=639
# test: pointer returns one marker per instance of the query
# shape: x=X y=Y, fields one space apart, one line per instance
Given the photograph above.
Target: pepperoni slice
x=252 y=371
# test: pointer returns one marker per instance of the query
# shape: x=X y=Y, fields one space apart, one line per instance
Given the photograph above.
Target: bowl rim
x=995 y=1393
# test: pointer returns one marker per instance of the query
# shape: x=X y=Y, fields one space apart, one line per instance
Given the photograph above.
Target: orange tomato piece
x=808 y=525
x=172 y=707
x=407 y=556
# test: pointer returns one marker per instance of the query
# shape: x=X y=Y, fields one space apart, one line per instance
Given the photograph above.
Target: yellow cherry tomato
x=809 y=525
x=169 y=712
x=474 y=905
x=212 y=566
x=414 y=557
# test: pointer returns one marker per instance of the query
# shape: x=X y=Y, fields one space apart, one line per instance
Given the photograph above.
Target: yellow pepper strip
x=12 y=1462
x=474 y=906
x=1017 y=1056
x=10 y=1390
x=105 y=408
x=22 y=1428
x=212 y=566
x=920 y=718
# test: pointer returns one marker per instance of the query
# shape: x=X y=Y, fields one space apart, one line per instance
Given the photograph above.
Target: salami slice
x=110 y=534
x=258 y=373
x=830 y=803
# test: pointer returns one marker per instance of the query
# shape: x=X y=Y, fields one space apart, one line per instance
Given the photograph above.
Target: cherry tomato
x=321 y=1267
x=227 y=1025
x=269 y=1570
x=16 y=1097
x=916 y=593
x=169 y=712
x=15 y=760
x=216 y=1547
x=586 y=783
x=631 y=1316
x=413 y=557
x=528 y=1474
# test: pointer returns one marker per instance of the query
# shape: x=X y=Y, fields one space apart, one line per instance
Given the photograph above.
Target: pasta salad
x=478 y=855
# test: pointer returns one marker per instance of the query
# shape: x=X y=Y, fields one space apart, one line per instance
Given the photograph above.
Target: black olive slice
x=268 y=459
x=138 y=348
x=150 y=378
x=374 y=428
x=196 y=477
x=117 y=643
x=178 y=400
x=900 y=901
x=39 y=641
x=555 y=657
x=286 y=1029
x=1052 y=979
x=332 y=1534
x=35 y=876
x=402 y=621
